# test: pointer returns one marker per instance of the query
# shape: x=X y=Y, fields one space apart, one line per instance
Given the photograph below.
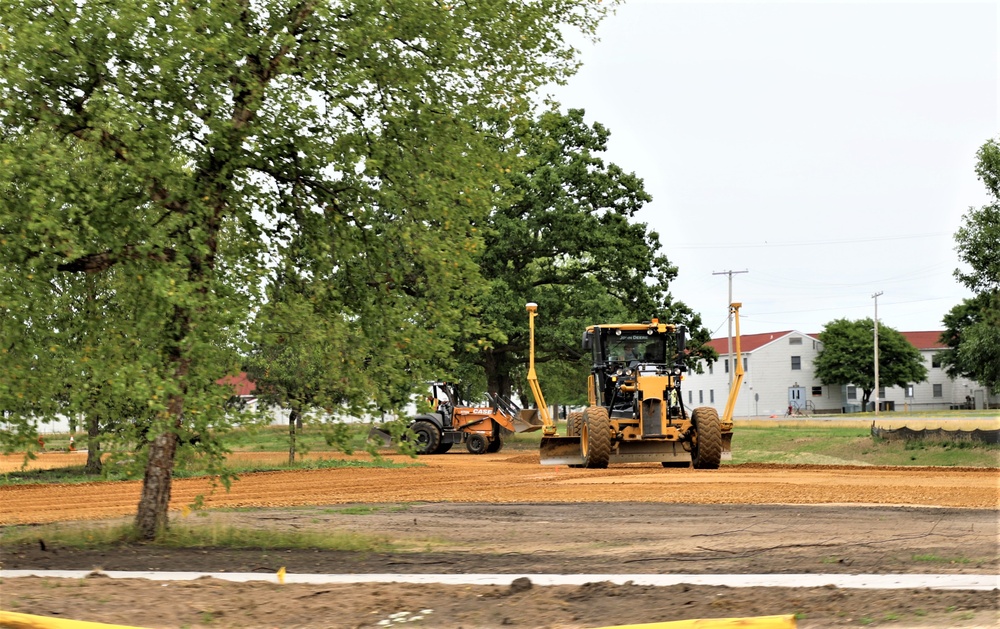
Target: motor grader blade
x=527 y=420
x=561 y=451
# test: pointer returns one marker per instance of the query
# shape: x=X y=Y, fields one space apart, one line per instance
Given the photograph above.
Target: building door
x=796 y=400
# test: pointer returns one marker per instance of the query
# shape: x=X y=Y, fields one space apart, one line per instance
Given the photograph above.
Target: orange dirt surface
x=508 y=478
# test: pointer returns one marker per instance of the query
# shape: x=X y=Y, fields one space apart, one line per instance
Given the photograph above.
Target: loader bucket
x=377 y=434
x=527 y=421
x=561 y=451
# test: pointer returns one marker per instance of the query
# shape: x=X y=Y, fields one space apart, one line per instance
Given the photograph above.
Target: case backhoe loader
x=636 y=412
x=451 y=421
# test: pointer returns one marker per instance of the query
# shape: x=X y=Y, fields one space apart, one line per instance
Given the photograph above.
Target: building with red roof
x=779 y=379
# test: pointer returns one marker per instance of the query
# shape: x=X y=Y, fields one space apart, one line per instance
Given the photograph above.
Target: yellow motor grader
x=636 y=412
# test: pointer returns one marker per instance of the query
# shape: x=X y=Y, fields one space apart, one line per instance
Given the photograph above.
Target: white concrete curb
x=847 y=581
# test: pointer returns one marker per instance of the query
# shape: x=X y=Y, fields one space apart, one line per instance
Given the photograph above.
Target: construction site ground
x=506 y=514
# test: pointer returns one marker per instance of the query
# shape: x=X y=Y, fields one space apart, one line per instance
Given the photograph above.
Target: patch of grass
x=360 y=510
x=836 y=442
x=184 y=535
x=931 y=558
x=76 y=473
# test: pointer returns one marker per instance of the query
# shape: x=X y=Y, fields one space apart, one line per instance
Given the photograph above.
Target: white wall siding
x=769 y=376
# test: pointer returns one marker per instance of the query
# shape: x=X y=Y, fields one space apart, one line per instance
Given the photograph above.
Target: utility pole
x=732 y=367
x=875 y=297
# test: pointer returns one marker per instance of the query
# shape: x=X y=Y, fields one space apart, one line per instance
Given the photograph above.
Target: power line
x=804 y=243
x=893 y=303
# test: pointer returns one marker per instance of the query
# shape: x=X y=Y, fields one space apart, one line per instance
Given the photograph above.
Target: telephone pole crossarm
x=730 y=367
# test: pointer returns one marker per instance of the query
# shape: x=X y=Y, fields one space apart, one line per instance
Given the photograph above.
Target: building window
x=690 y=398
x=881 y=392
x=725 y=363
x=817 y=391
x=938 y=390
x=935 y=363
x=711 y=396
x=709 y=368
x=852 y=392
x=909 y=390
x=796 y=363
x=795 y=340
x=745 y=368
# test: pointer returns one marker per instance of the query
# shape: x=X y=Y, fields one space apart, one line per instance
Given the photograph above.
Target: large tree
x=565 y=236
x=848 y=357
x=972 y=328
x=235 y=136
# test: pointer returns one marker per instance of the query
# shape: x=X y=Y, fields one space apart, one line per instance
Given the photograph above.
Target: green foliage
x=563 y=235
x=184 y=153
x=848 y=357
x=976 y=241
x=972 y=328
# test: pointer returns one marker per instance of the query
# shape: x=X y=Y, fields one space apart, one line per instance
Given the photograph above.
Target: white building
x=779 y=379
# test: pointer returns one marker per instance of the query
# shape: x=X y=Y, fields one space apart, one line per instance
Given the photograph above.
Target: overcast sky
x=826 y=148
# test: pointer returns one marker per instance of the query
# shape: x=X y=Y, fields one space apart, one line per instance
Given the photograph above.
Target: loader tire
x=426 y=437
x=442 y=448
x=496 y=445
x=596 y=438
x=706 y=449
x=476 y=444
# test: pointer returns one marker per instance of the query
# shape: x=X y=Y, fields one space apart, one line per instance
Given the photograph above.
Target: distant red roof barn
x=751 y=342
x=240 y=383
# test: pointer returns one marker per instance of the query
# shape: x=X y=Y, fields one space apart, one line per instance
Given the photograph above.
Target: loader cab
x=443 y=399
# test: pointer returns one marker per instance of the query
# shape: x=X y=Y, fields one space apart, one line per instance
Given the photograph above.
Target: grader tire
x=596 y=438
x=706 y=451
x=574 y=424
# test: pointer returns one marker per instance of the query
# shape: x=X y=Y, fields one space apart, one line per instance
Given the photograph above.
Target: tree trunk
x=94 y=465
x=154 y=502
x=498 y=380
x=293 y=421
x=155 y=499
x=866 y=395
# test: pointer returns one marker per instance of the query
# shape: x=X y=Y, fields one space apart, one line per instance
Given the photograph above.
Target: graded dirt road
x=517 y=477
x=505 y=514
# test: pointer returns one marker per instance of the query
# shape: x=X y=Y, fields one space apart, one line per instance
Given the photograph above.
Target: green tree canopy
x=972 y=328
x=196 y=148
x=848 y=357
x=564 y=235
